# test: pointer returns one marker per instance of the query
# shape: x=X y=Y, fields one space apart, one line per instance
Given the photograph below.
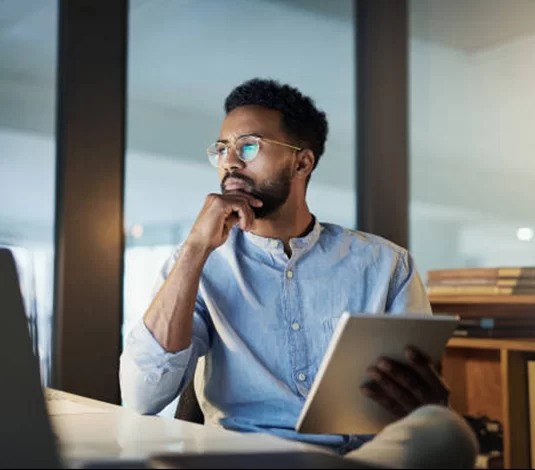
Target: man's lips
x=236 y=184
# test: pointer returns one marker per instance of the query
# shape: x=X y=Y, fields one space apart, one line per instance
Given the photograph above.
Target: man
x=259 y=283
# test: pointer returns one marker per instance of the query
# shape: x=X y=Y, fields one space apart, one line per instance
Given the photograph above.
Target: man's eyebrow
x=249 y=134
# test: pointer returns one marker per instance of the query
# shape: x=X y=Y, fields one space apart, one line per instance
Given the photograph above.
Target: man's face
x=268 y=177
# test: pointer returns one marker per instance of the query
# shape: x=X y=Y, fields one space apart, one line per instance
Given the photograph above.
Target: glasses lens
x=247 y=148
x=215 y=152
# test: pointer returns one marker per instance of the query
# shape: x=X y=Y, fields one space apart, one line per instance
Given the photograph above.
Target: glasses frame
x=212 y=157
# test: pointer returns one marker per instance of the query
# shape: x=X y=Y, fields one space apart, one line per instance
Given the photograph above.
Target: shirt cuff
x=146 y=351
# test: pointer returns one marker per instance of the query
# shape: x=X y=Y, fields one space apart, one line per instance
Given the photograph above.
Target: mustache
x=237 y=176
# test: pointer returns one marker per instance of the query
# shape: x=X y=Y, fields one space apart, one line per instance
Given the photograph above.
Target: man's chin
x=265 y=211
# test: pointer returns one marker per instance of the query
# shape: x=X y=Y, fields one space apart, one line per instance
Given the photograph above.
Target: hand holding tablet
x=336 y=402
x=403 y=387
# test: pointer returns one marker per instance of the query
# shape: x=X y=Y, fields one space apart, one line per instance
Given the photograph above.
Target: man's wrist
x=195 y=250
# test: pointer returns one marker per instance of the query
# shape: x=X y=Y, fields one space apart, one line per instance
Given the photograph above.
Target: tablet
x=335 y=403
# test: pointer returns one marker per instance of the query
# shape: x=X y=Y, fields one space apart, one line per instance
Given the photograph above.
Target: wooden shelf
x=488 y=376
x=516 y=344
x=477 y=306
x=483 y=299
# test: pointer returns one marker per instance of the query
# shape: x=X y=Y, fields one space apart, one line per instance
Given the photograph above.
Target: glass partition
x=471 y=133
x=28 y=43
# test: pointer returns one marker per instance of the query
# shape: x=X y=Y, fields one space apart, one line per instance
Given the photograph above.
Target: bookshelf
x=489 y=376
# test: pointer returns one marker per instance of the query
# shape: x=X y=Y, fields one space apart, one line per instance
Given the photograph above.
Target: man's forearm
x=170 y=315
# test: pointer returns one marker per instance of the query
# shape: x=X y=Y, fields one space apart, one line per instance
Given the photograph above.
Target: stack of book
x=488 y=283
x=482 y=281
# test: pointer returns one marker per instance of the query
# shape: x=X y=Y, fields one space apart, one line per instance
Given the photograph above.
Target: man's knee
x=446 y=425
x=441 y=438
x=430 y=437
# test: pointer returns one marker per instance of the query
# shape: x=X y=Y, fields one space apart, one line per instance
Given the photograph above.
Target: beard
x=273 y=193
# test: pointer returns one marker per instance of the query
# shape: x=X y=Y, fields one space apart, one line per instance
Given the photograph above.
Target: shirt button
x=289 y=274
x=295 y=326
x=301 y=377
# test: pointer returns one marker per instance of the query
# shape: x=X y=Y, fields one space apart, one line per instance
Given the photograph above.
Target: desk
x=90 y=429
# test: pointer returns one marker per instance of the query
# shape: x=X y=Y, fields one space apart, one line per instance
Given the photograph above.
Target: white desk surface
x=90 y=429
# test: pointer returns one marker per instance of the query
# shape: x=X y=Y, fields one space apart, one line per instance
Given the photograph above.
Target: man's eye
x=222 y=151
x=249 y=151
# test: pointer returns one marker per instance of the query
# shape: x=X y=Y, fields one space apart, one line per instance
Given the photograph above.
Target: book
x=502 y=333
x=471 y=273
x=496 y=327
x=482 y=281
x=479 y=290
x=503 y=313
x=497 y=322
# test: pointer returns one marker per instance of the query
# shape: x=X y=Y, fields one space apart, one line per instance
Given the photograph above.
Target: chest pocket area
x=329 y=325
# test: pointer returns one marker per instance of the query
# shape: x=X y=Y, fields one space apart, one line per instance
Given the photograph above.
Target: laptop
x=26 y=437
x=261 y=460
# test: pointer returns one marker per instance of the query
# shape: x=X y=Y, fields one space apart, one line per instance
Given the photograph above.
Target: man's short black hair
x=300 y=118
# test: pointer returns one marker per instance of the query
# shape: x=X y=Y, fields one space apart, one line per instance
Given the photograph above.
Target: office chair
x=188 y=408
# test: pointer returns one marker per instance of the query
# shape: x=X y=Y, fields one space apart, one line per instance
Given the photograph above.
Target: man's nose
x=232 y=161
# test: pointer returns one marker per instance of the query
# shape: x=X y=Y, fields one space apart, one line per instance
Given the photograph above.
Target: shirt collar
x=306 y=242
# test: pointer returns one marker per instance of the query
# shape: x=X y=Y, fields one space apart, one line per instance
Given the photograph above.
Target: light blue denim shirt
x=263 y=322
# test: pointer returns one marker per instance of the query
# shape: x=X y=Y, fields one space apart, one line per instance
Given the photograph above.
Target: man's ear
x=304 y=163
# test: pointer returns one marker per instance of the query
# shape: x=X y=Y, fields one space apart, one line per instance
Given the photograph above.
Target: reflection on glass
x=471 y=133
x=27 y=159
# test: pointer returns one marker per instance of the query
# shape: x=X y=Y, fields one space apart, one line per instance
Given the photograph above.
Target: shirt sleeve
x=407 y=292
x=150 y=377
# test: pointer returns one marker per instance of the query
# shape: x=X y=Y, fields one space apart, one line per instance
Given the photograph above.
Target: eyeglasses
x=247 y=148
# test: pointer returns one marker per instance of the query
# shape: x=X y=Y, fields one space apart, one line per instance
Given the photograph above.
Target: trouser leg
x=430 y=437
